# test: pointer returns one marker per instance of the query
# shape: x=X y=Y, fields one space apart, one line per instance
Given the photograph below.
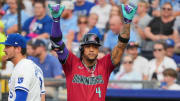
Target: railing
x=56 y=83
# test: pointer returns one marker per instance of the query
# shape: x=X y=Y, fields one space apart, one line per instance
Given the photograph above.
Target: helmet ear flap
x=81 y=49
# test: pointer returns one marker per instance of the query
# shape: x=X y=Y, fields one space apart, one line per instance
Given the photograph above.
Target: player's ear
x=17 y=49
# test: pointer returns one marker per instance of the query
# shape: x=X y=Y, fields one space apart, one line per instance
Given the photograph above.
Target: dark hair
x=30 y=42
x=161 y=42
x=23 y=51
x=21 y=4
x=167 y=3
x=170 y=72
x=145 y=2
x=80 y=17
x=41 y=2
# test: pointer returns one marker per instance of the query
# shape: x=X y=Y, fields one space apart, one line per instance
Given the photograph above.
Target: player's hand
x=128 y=12
x=56 y=10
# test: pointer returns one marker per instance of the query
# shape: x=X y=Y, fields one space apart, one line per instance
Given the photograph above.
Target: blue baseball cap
x=169 y=43
x=15 y=40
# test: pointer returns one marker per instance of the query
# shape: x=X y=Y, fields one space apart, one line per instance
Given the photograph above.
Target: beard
x=9 y=59
x=90 y=59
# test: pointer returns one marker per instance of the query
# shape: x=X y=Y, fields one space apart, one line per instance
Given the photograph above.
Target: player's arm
x=56 y=35
x=21 y=95
x=127 y=14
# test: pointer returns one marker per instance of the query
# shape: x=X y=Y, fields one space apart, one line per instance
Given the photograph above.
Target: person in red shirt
x=87 y=77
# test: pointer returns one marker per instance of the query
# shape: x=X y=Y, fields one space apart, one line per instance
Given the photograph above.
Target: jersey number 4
x=98 y=91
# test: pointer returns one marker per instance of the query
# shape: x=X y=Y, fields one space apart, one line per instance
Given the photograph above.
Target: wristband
x=56 y=39
x=123 y=40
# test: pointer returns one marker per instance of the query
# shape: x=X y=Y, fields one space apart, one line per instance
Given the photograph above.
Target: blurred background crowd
x=153 y=52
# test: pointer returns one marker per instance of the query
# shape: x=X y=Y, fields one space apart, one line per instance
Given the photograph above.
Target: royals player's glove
x=128 y=12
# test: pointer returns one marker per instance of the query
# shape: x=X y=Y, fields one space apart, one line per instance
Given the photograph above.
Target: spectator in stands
x=160 y=62
x=161 y=27
x=30 y=50
x=10 y=18
x=38 y=26
x=103 y=11
x=111 y=38
x=82 y=7
x=128 y=74
x=175 y=4
x=170 y=50
x=4 y=5
x=29 y=7
x=140 y=64
x=92 y=20
x=177 y=26
x=115 y=11
x=140 y=21
x=69 y=20
x=73 y=39
x=119 y=2
x=154 y=8
x=170 y=76
x=49 y=64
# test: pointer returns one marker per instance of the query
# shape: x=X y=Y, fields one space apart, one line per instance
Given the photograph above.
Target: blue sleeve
x=47 y=27
x=107 y=41
x=24 y=17
x=89 y=8
x=57 y=67
x=26 y=26
x=133 y=36
x=21 y=95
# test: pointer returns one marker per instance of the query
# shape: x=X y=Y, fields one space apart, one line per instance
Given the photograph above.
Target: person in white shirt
x=26 y=82
x=170 y=76
x=128 y=74
x=103 y=11
x=140 y=63
x=160 y=62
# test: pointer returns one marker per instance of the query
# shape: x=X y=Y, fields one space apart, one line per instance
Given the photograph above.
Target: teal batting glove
x=56 y=10
x=128 y=12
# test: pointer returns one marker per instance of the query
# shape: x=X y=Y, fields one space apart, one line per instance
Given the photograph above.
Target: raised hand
x=128 y=12
x=56 y=10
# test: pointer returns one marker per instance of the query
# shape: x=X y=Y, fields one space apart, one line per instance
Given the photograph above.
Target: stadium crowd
x=153 y=52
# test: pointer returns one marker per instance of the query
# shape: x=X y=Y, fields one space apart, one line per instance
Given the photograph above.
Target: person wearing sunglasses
x=175 y=4
x=128 y=74
x=140 y=63
x=160 y=62
x=68 y=19
x=161 y=28
x=73 y=39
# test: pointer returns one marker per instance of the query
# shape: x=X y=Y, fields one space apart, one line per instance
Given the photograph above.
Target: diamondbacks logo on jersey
x=20 y=80
x=88 y=80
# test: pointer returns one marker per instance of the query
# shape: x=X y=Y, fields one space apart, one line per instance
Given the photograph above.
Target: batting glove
x=56 y=10
x=128 y=12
